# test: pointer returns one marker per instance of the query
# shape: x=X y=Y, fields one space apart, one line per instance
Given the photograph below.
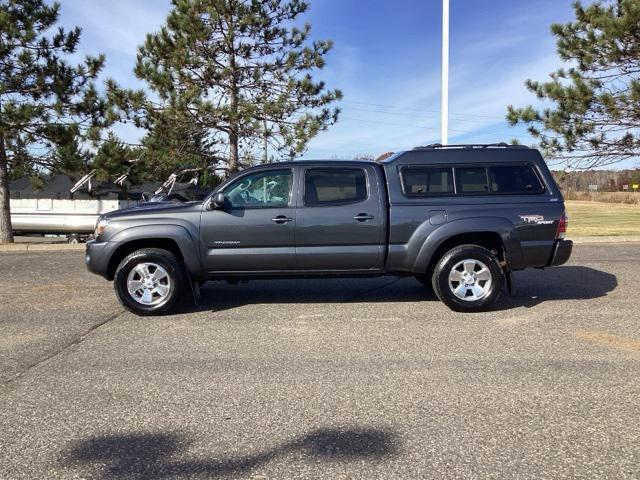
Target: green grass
x=596 y=218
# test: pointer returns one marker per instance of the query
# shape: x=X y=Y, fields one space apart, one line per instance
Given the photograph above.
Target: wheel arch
x=173 y=238
x=496 y=234
x=490 y=240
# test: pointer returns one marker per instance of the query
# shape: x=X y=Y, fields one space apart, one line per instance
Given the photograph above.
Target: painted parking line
x=609 y=340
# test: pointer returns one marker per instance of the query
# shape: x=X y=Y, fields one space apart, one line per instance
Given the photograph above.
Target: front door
x=254 y=232
x=341 y=223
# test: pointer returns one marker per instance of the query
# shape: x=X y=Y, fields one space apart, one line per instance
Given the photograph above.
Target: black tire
x=177 y=280
x=444 y=289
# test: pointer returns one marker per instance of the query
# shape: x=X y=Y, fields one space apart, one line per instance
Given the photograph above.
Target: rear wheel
x=468 y=278
x=149 y=281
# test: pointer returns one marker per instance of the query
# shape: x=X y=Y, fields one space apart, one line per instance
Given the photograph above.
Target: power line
x=421 y=109
x=298 y=116
x=416 y=115
x=422 y=127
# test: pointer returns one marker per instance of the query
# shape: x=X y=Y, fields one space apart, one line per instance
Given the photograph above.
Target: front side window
x=334 y=186
x=514 y=179
x=471 y=180
x=424 y=181
x=261 y=189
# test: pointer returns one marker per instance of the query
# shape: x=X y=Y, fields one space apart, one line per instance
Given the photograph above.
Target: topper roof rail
x=435 y=146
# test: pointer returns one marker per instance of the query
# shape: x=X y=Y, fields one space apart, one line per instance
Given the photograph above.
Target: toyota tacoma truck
x=459 y=218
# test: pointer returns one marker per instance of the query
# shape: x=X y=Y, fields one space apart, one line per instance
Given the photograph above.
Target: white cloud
x=117 y=25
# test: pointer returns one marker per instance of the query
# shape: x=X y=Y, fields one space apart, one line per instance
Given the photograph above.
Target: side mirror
x=218 y=201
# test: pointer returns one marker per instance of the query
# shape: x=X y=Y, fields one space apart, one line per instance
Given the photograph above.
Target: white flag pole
x=444 y=110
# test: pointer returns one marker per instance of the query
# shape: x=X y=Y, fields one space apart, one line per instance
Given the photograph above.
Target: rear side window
x=472 y=180
x=424 y=181
x=514 y=179
x=334 y=186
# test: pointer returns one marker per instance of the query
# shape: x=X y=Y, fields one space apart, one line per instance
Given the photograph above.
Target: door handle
x=280 y=219
x=363 y=217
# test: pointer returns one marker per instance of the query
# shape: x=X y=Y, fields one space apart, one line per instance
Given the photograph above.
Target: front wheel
x=468 y=278
x=149 y=281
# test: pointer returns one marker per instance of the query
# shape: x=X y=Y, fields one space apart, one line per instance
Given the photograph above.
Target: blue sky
x=386 y=60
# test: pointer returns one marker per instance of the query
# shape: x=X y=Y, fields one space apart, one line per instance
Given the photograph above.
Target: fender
x=189 y=247
x=422 y=244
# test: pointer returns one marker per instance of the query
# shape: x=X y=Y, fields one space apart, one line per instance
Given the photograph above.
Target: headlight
x=101 y=224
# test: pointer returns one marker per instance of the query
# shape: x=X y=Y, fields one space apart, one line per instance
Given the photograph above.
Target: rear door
x=341 y=221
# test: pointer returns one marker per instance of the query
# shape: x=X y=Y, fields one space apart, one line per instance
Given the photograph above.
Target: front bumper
x=561 y=252
x=96 y=257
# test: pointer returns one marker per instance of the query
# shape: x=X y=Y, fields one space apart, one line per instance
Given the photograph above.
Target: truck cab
x=458 y=218
x=313 y=217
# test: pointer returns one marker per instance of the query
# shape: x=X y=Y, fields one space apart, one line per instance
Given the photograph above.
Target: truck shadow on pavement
x=162 y=455
x=532 y=288
x=560 y=283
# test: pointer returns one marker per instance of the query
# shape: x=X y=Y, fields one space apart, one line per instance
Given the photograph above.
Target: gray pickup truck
x=458 y=218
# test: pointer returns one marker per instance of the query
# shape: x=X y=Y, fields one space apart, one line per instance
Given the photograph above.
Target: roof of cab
x=320 y=162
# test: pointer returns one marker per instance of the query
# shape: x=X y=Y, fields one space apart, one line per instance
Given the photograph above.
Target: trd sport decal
x=535 y=219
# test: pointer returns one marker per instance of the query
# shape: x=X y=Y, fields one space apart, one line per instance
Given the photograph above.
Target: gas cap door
x=437 y=217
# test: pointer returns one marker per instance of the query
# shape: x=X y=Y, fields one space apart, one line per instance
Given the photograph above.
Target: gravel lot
x=321 y=379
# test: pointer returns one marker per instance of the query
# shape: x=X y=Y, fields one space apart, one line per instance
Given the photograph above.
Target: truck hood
x=152 y=208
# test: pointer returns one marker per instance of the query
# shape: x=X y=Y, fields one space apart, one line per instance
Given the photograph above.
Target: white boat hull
x=45 y=215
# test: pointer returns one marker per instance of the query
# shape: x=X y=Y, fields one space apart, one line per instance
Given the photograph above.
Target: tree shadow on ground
x=163 y=455
x=532 y=288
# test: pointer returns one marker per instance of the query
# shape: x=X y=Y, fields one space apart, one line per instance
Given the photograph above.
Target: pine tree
x=71 y=159
x=175 y=141
x=113 y=158
x=22 y=163
x=44 y=101
x=595 y=116
x=239 y=70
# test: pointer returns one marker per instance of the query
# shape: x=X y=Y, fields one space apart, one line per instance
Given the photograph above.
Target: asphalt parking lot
x=368 y=378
